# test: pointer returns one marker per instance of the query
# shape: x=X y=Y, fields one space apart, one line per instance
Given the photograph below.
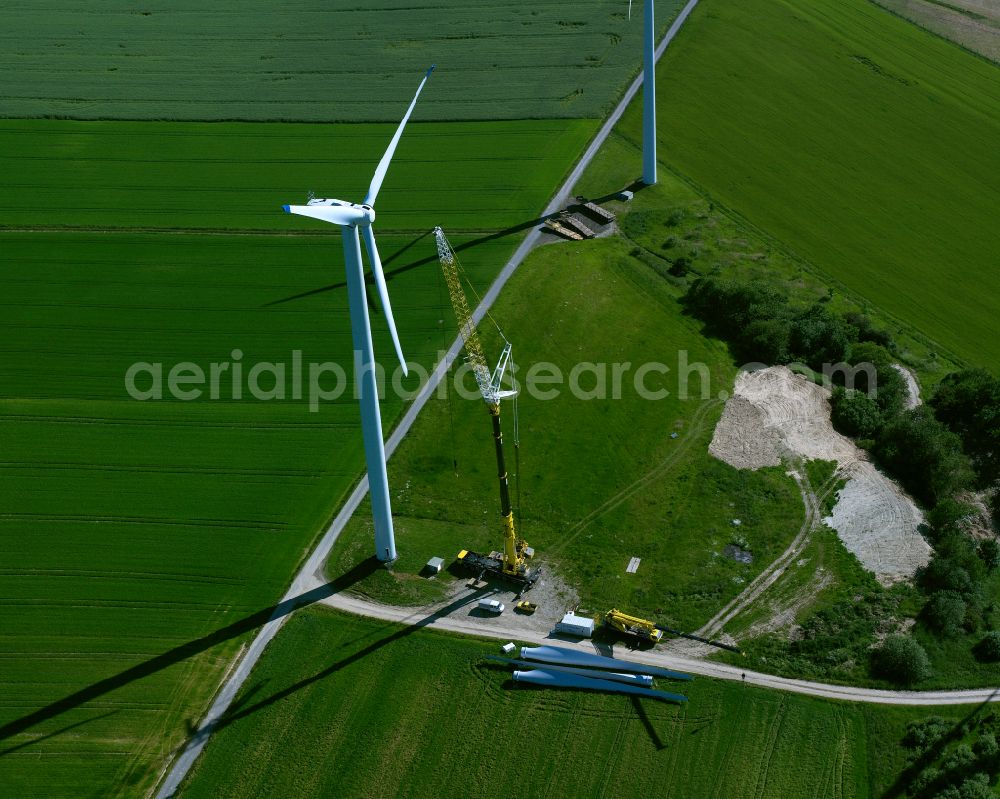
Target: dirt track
x=714 y=627
x=508 y=627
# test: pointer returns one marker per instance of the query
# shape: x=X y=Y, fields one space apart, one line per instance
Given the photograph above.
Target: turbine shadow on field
x=184 y=651
x=389 y=275
x=933 y=752
x=654 y=736
x=55 y=733
x=231 y=717
x=369 y=280
x=399 y=270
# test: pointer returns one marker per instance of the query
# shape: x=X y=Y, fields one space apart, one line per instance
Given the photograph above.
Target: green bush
x=947 y=514
x=945 y=612
x=924 y=780
x=922 y=734
x=924 y=455
x=766 y=340
x=988 y=649
x=989 y=553
x=729 y=307
x=868 y=332
x=890 y=391
x=944 y=574
x=986 y=747
x=902 y=660
x=855 y=413
x=976 y=787
x=680 y=267
x=959 y=758
x=819 y=337
x=969 y=404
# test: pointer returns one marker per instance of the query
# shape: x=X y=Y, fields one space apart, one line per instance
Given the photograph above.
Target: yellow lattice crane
x=511 y=563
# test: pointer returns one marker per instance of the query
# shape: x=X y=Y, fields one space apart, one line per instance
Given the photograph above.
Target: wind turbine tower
x=649 y=97
x=648 y=93
x=355 y=222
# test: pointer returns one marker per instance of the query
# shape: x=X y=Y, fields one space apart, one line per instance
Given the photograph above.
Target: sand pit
x=874 y=516
x=775 y=415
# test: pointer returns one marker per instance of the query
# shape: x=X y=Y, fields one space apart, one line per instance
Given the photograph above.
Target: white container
x=580 y=626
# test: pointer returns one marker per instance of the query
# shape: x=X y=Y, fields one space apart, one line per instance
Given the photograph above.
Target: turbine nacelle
x=336 y=212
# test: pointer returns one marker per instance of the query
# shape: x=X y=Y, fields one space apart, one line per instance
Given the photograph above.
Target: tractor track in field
x=222 y=231
x=696 y=427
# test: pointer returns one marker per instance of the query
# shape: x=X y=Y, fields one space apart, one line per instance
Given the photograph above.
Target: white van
x=492 y=605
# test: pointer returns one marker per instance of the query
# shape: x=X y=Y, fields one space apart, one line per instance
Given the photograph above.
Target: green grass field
x=351 y=707
x=316 y=62
x=601 y=480
x=860 y=142
x=673 y=221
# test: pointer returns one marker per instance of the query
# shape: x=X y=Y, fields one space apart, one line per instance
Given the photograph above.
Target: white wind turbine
x=354 y=219
x=648 y=94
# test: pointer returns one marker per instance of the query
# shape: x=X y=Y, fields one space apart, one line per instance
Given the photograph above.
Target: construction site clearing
x=583 y=219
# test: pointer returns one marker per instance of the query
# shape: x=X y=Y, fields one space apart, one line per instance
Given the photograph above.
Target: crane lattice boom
x=489 y=385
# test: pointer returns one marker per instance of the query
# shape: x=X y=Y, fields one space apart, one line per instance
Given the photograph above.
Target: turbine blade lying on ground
x=645 y=680
x=553 y=679
x=383 y=165
x=573 y=657
x=383 y=292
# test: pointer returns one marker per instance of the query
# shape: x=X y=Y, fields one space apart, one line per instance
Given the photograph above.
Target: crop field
x=601 y=479
x=971 y=23
x=80 y=308
x=856 y=140
x=312 y=61
x=351 y=707
x=146 y=541
x=140 y=536
x=468 y=175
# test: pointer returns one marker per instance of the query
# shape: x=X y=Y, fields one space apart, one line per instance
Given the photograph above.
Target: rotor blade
x=383 y=291
x=336 y=214
x=383 y=165
x=630 y=9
